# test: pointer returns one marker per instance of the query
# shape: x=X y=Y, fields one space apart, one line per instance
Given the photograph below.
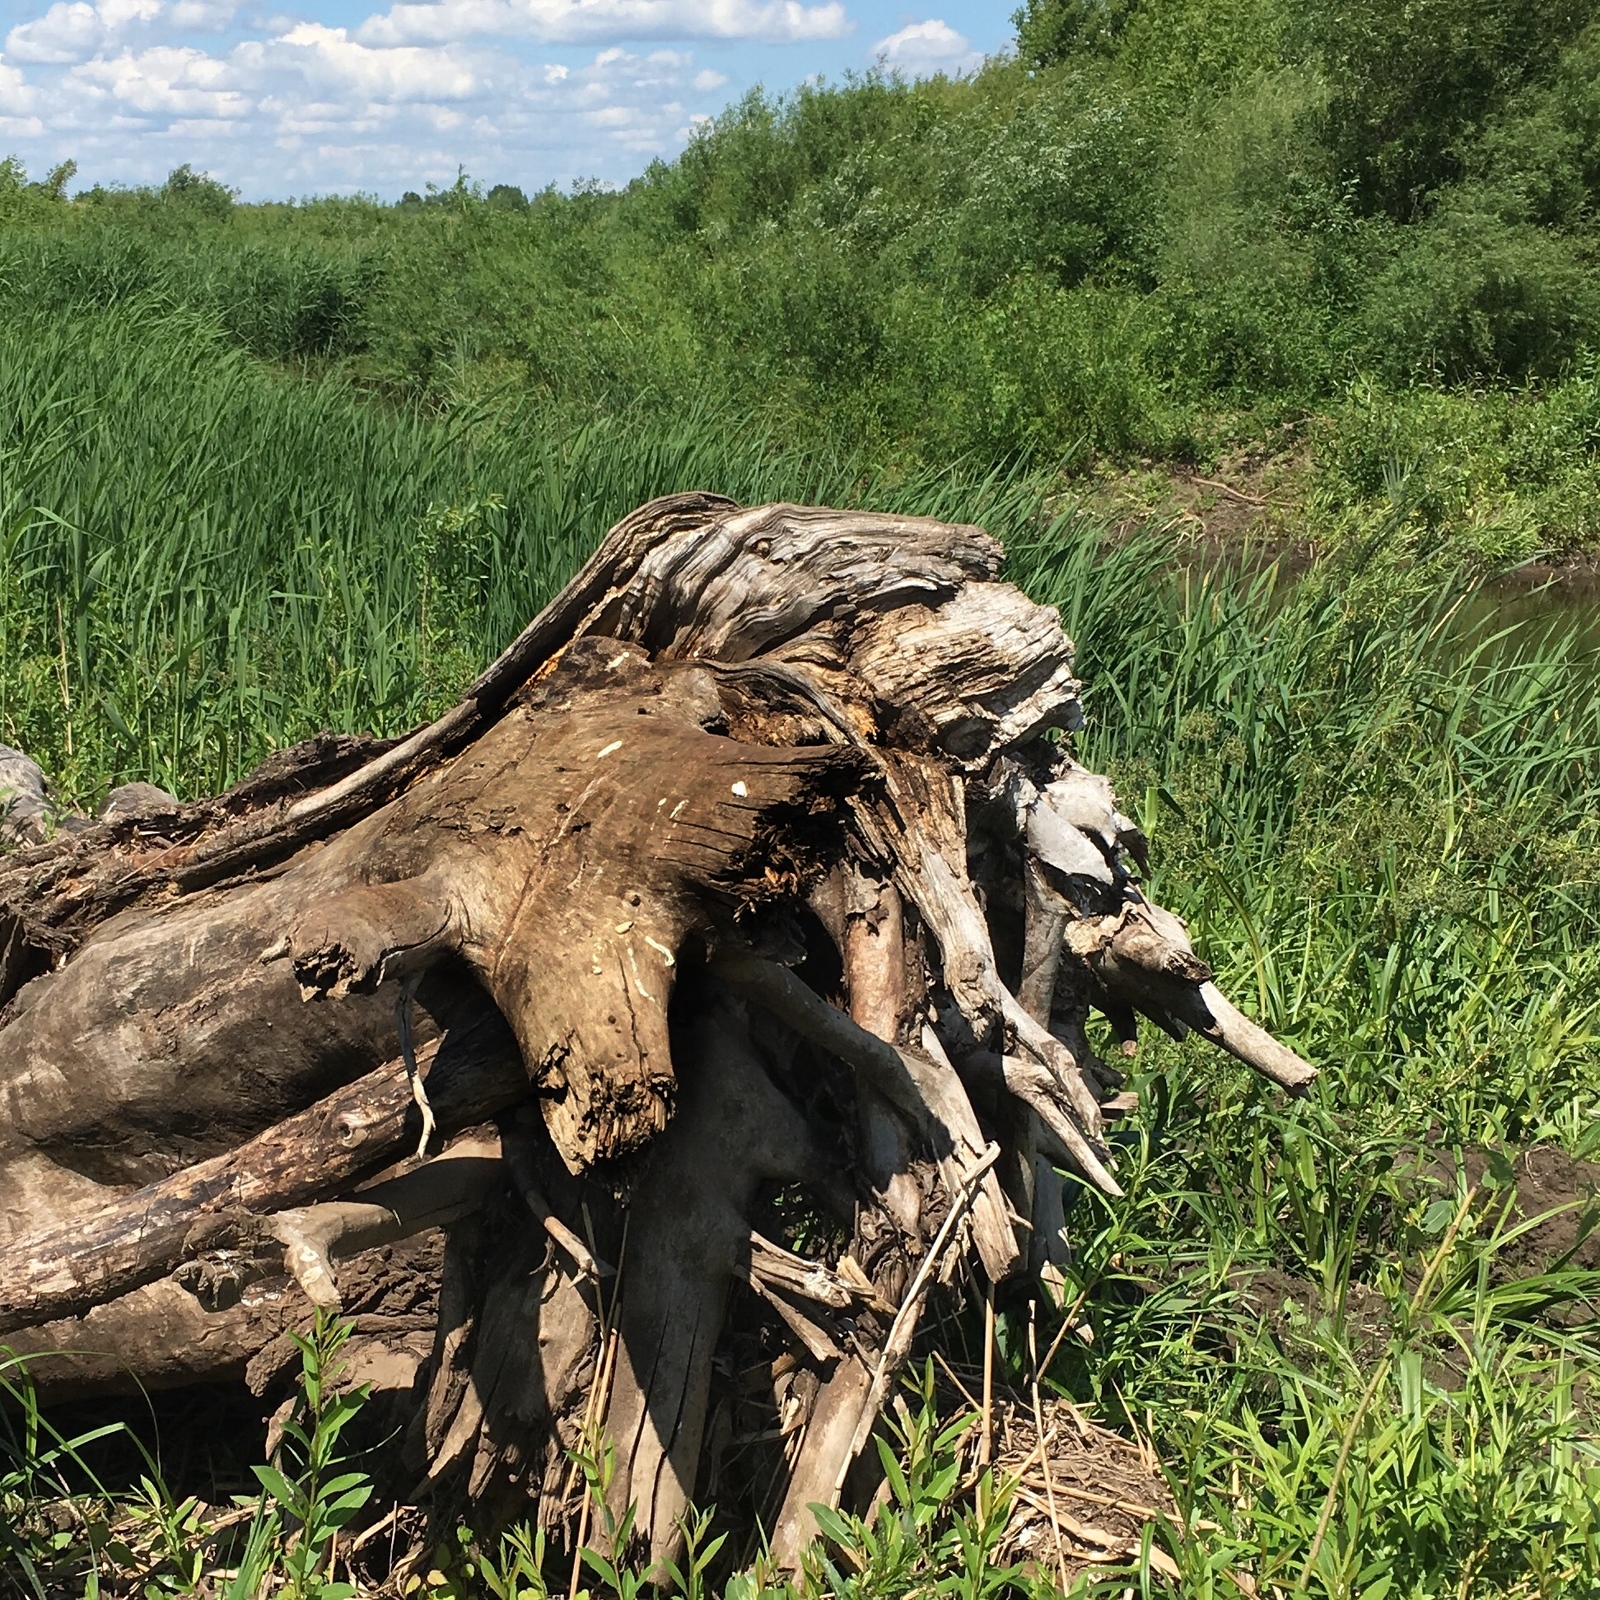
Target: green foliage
x=1053 y=31
x=1473 y=295
x=1538 y=157
x=305 y=1499
x=39 y=1465
x=1256 y=309
x=1366 y=793
x=1411 y=82
x=1159 y=214
x=1414 y=1421
x=1376 y=809
x=198 y=192
x=1175 y=47
x=923 y=1536
x=1505 y=474
x=265 y=469
x=185 y=587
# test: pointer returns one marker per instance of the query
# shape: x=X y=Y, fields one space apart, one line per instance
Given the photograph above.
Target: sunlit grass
x=201 y=560
x=1378 y=815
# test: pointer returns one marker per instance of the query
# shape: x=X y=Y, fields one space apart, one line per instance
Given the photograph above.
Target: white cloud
x=313 y=108
x=517 y=90
x=16 y=102
x=64 y=33
x=73 y=30
x=201 y=16
x=932 y=46
x=166 y=81
x=329 y=60
x=585 y=21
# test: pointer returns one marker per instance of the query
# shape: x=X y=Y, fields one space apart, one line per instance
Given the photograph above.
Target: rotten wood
x=755 y=862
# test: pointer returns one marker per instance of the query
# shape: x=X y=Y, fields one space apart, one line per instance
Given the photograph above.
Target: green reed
x=1376 y=809
x=200 y=559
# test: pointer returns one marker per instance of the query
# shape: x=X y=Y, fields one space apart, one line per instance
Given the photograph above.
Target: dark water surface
x=1565 y=604
x=1539 y=599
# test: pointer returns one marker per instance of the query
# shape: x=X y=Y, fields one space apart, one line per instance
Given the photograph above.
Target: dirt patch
x=1290 y=1308
x=1249 y=509
x=1248 y=499
x=1556 y=1192
x=1553 y=1196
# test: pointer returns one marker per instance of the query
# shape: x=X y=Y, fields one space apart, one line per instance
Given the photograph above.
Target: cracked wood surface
x=753 y=862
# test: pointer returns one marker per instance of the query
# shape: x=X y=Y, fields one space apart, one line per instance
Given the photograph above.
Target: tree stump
x=754 y=881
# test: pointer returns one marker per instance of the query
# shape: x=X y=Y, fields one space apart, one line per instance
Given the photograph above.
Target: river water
x=1560 y=603
x=1564 y=600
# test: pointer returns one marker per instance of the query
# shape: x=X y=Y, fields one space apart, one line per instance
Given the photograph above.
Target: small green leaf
x=285 y=1493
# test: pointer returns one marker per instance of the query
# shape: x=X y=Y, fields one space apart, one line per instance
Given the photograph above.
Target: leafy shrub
x=1471 y=295
x=1503 y=473
x=198 y=192
x=1538 y=157
x=1255 y=247
x=1411 y=82
x=293 y=302
x=1177 y=214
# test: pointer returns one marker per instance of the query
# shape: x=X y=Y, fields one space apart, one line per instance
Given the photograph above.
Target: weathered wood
x=687 y=1232
x=473 y=1072
x=925 y=1088
x=25 y=810
x=757 y=815
x=872 y=945
x=1142 y=958
x=689 y=576
x=565 y=861
x=435 y=1195
x=161 y=1336
x=829 y=1440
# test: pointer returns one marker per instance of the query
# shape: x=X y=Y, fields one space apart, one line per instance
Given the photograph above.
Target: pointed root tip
x=1228 y=1028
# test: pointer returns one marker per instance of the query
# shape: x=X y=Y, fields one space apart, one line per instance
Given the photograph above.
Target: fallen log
x=754 y=875
x=133 y=1239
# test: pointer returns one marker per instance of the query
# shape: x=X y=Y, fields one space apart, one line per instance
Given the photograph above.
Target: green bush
x=1255 y=249
x=1162 y=221
x=1538 y=156
x=1503 y=473
x=294 y=302
x=1470 y=295
x=1411 y=83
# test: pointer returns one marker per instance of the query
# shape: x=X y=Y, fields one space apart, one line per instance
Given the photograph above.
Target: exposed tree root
x=754 y=865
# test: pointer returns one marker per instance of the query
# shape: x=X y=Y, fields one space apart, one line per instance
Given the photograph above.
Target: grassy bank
x=1381 y=825
x=266 y=469
x=203 y=558
x=1354 y=241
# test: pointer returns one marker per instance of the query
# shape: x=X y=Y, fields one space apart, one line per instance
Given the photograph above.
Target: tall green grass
x=1377 y=811
x=1376 y=807
x=1200 y=231
x=201 y=559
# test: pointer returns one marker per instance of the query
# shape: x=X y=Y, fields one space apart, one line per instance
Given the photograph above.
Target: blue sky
x=387 y=95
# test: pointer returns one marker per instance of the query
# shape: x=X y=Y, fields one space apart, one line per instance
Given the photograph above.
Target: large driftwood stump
x=756 y=864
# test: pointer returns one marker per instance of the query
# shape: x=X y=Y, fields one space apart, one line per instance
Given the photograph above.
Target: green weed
x=305 y=1498
x=1156 y=223
x=270 y=469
